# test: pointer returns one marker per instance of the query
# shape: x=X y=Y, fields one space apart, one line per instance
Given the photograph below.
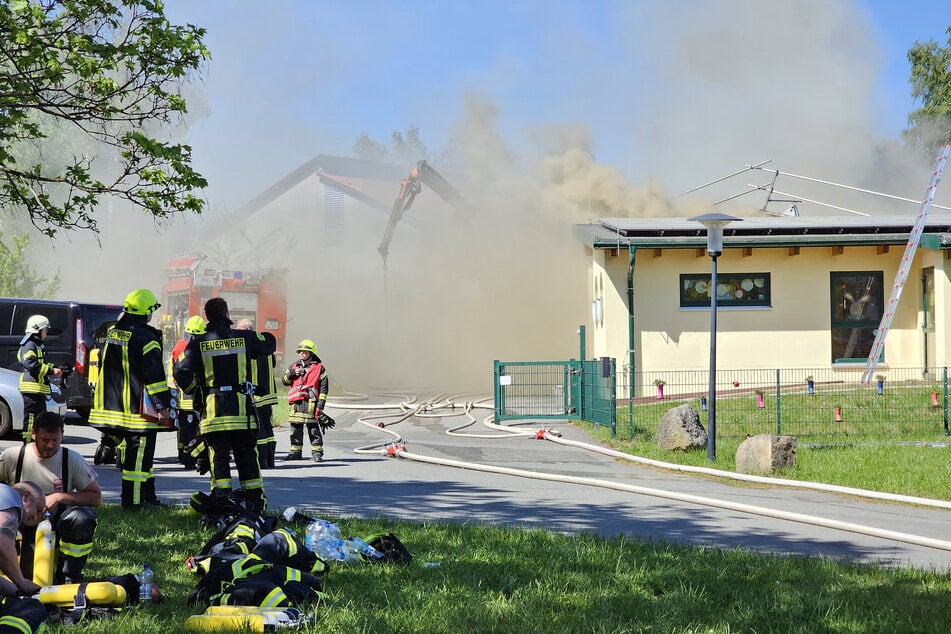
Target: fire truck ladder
x=904 y=265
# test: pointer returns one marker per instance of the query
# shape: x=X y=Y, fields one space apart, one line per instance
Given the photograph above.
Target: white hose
x=692 y=499
x=408 y=410
x=818 y=486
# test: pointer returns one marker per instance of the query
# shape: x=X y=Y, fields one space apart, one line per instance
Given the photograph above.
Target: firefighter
x=307 y=378
x=132 y=399
x=188 y=416
x=71 y=491
x=219 y=363
x=35 y=379
x=264 y=404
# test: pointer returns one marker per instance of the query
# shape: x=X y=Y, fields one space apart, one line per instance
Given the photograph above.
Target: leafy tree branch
x=112 y=72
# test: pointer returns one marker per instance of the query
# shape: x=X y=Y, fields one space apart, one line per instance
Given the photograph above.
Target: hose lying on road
x=411 y=408
x=683 y=497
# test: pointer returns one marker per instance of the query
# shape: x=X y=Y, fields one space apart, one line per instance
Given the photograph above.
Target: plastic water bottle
x=360 y=547
x=146 y=578
x=323 y=538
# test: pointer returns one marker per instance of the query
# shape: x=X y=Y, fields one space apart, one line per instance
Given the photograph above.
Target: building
x=793 y=292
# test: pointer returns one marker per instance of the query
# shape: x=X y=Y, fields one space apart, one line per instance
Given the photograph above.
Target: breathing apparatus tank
x=44 y=558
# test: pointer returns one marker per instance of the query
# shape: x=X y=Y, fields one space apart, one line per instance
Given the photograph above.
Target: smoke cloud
x=672 y=98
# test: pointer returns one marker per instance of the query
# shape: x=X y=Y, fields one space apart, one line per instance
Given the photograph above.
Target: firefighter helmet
x=195 y=325
x=36 y=323
x=307 y=345
x=141 y=301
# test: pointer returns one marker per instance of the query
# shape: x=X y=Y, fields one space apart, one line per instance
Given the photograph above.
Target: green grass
x=494 y=579
x=905 y=410
x=504 y=580
x=878 y=464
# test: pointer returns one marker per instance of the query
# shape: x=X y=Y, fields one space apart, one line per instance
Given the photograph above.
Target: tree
x=930 y=126
x=109 y=73
x=17 y=278
x=406 y=149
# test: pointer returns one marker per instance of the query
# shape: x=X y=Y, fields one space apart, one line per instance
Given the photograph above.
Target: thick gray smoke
x=690 y=93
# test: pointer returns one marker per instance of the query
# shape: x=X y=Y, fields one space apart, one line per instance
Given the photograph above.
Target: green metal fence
x=556 y=390
x=904 y=403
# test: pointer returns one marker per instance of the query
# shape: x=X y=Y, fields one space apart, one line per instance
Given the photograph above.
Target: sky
x=545 y=113
x=676 y=93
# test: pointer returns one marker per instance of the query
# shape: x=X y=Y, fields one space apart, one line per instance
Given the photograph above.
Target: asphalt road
x=355 y=484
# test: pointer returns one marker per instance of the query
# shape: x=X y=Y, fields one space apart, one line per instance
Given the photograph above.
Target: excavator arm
x=411 y=186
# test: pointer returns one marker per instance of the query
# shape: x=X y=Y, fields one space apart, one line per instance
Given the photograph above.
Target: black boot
x=294 y=455
x=271 y=450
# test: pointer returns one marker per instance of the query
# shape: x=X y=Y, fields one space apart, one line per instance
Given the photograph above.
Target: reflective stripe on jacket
x=219 y=363
x=130 y=366
x=35 y=378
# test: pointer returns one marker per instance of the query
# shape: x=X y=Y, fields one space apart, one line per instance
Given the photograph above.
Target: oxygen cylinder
x=103 y=593
x=229 y=623
x=44 y=558
x=284 y=617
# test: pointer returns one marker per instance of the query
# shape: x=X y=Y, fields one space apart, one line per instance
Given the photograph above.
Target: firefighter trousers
x=75 y=527
x=138 y=479
x=243 y=444
x=33 y=406
x=314 y=434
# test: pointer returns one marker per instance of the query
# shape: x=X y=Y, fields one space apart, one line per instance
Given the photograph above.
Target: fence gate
x=556 y=389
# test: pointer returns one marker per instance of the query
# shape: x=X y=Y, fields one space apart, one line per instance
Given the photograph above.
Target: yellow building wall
x=793 y=333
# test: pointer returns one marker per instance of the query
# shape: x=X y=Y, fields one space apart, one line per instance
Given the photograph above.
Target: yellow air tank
x=102 y=593
x=44 y=558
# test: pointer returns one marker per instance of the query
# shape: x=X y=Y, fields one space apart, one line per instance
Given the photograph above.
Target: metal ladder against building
x=903 y=267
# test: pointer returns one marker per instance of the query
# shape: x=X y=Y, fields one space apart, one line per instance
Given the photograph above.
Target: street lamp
x=714 y=224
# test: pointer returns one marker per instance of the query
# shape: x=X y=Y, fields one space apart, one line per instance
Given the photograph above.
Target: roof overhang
x=680 y=233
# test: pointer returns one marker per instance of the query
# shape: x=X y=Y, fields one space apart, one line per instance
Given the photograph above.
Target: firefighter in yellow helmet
x=132 y=399
x=264 y=402
x=219 y=363
x=307 y=396
x=188 y=413
x=35 y=379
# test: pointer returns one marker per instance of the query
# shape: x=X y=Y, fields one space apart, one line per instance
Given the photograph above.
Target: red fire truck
x=259 y=295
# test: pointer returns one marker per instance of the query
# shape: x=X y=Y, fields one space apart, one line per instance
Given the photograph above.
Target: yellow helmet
x=307 y=345
x=141 y=301
x=36 y=323
x=195 y=325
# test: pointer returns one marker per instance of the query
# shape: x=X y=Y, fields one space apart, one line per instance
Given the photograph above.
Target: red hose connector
x=393 y=450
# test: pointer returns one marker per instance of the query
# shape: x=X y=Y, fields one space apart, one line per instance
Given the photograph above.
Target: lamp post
x=714 y=224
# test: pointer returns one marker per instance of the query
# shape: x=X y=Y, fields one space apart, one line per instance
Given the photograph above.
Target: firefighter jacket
x=131 y=378
x=185 y=401
x=220 y=364
x=36 y=377
x=307 y=393
x=264 y=379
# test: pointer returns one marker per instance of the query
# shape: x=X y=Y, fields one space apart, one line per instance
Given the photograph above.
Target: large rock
x=765 y=453
x=680 y=428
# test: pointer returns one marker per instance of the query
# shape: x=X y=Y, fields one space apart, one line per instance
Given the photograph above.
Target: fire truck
x=258 y=294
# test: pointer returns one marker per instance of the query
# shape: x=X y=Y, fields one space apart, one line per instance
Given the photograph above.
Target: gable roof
x=343 y=174
x=681 y=233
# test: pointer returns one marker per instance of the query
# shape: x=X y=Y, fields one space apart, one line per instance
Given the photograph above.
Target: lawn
x=493 y=579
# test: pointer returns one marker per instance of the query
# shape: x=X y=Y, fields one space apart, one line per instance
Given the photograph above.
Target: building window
x=857 y=302
x=733 y=289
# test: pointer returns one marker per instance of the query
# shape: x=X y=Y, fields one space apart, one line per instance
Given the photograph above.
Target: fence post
x=497 y=389
x=945 y=400
x=779 y=408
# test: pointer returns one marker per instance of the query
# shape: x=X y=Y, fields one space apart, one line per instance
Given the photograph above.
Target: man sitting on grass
x=70 y=486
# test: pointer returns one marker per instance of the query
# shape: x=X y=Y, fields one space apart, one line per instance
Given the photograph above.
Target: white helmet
x=36 y=324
